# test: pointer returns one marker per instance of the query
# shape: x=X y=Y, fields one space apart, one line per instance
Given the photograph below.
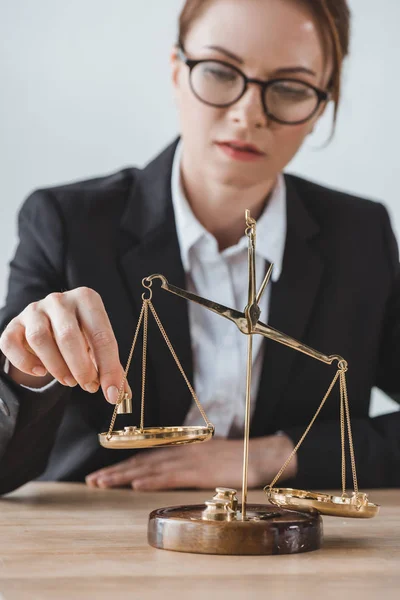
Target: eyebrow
x=296 y=70
x=283 y=70
x=227 y=53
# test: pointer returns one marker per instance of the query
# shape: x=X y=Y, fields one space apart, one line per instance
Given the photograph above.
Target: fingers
x=183 y=457
x=142 y=477
x=103 y=473
x=122 y=478
x=14 y=347
x=112 y=474
x=52 y=333
x=143 y=466
x=162 y=481
x=98 y=331
x=195 y=466
x=72 y=357
x=145 y=458
x=68 y=335
x=175 y=477
x=127 y=471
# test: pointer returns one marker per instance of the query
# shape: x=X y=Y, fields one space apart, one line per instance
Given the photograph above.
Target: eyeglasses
x=285 y=100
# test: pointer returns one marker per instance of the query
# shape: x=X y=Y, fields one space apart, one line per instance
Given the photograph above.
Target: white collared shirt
x=219 y=349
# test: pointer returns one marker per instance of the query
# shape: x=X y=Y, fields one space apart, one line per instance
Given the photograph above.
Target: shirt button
x=4 y=408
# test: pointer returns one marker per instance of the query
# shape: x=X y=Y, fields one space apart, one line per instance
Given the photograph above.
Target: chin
x=240 y=182
x=239 y=176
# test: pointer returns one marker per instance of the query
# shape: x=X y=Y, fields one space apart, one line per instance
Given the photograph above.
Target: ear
x=175 y=68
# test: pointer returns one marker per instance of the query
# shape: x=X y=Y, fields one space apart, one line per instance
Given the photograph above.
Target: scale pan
x=356 y=506
x=150 y=437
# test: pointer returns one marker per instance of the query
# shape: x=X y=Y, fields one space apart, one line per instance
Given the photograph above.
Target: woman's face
x=265 y=39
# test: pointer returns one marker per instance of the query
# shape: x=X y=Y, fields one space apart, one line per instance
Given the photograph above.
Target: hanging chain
x=178 y=364
x=128 y=364
x=342 y=437
x=144 y=356
x=282 y=469
x=345 y=402
x=344 y=417
x=143 y=317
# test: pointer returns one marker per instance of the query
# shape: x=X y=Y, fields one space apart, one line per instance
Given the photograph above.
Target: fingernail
x=70 y=381
x=102 y=483
x=93 y=478
x=92 y=387
x=39 y=371
x=112 y=394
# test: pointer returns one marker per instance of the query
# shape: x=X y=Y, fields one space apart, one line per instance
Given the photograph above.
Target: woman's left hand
x=207 y=465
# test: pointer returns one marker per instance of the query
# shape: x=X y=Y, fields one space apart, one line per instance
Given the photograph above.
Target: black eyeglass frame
x=322 y=95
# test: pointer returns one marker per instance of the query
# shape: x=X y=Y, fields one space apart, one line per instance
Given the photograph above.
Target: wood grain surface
x=62 y=541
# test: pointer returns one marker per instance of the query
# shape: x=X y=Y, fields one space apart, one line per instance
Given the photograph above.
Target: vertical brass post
x=247 y=424
x=252 y=313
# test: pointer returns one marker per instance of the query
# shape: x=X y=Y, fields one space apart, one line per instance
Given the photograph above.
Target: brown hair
x=333 y=16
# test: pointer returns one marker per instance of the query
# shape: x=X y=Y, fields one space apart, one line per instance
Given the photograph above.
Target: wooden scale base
x=217 y=528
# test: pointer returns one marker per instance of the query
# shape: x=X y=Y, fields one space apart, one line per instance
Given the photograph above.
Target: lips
x=241 y=152
x=242 y=147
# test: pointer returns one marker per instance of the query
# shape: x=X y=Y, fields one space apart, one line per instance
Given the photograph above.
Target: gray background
x=85 y=90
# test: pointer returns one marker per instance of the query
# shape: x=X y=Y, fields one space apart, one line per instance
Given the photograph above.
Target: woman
x=251 y=80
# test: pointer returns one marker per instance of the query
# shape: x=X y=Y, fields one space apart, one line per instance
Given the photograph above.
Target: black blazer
x=338 y=292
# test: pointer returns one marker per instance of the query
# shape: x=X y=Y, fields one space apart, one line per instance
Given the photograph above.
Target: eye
x=292 y=90
x=219 y=73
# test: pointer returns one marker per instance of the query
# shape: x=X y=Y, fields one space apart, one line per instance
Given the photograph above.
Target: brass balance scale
x=291 y=521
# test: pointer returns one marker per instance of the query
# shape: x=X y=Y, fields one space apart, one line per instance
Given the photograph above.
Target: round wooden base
x=266 y=530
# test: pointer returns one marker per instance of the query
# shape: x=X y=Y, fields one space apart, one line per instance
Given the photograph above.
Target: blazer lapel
x=292 y=301
x=149 y=245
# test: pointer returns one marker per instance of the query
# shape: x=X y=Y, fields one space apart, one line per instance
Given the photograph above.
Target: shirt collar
x=271 y=225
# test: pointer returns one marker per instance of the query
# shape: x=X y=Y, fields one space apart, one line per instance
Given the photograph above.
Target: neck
x=220 y=206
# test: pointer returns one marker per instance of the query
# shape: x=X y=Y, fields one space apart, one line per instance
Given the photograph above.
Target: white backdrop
x=85 y=90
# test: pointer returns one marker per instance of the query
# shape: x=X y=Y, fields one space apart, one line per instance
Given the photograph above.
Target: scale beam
x=240 y=320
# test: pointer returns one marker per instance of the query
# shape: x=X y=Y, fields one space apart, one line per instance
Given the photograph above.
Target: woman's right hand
x=66 y=336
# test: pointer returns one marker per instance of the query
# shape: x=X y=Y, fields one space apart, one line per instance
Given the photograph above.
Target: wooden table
x=63 y=541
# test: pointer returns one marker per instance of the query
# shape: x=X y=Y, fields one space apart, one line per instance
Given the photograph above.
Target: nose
x=249 y=110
